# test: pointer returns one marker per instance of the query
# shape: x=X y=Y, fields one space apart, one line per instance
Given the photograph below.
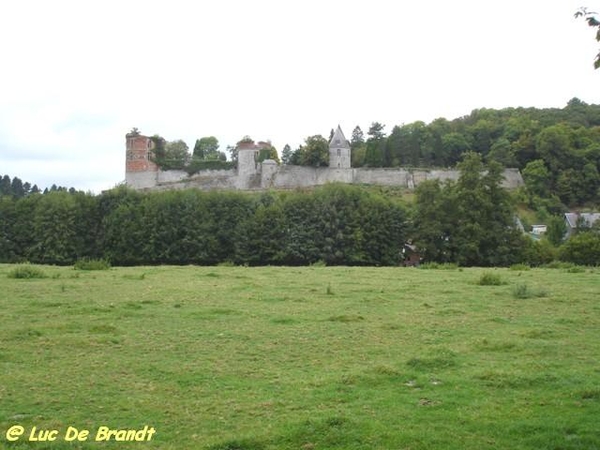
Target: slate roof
x=339 y=140
x=588 y=218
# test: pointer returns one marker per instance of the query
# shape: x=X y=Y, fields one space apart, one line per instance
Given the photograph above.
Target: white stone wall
x=272 y=176
x=141 y=180
x=247 y=162
x=384 y=177
x=171 y=176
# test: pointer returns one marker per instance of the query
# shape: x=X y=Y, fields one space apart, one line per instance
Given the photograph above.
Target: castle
x=143 y=174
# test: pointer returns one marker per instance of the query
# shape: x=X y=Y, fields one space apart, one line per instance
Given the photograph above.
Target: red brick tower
x=139 y=152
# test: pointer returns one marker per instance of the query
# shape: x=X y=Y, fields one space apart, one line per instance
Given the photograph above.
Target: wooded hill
x=557 y=150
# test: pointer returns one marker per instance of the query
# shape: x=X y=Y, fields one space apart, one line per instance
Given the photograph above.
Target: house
x=538 y=229
x=411 y=254
x=580 y=220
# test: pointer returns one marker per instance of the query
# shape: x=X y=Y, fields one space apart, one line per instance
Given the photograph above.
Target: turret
x=247 y=158
x=140 y=170
x=339 y=151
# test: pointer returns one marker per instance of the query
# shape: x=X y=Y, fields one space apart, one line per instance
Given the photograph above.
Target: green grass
x=304 y=357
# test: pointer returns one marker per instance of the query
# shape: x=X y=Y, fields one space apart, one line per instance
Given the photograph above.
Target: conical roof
x=339 y=140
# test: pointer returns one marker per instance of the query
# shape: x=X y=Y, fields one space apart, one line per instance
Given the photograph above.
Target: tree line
x=470 y=222
x=557 y=150
x=16 y=188
x=336 y=224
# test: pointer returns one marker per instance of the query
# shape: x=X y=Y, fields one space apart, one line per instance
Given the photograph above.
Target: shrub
x=197 y=165
x=519 y=267
x=537 y=253
x=26 y=271
x=582 y=249
x=490 y=279
x=91 y=264
x=319 y=263
x=524 y=291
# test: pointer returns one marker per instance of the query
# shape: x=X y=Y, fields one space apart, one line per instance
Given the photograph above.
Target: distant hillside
x=557 y=150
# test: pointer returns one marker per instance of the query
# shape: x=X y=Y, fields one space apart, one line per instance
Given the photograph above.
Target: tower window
x=339 y=152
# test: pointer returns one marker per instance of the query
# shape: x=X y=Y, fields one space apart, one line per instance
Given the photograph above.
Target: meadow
x=226 y=358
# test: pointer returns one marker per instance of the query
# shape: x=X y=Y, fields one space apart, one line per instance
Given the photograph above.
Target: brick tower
x=140 y=171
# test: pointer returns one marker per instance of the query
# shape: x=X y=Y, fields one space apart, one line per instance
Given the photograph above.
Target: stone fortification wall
x=142 y=173
x=299 y=177
x=205 y=180
x=141 y=180
x=272 y=176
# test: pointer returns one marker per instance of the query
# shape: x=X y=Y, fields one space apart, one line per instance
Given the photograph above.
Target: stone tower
x=247 y=158
x=140 y=171
x=339 y=151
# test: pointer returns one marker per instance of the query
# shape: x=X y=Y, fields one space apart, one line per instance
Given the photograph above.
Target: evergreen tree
x=16 y=187
x=286 y=154
x=5 y=186
x=376 y=146
x=357 y=139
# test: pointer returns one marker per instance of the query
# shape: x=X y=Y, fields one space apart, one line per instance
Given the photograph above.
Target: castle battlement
x=142 y=173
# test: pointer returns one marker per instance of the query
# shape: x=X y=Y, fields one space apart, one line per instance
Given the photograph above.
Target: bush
x=91 y=264
x=524 y=291
x=519 y=267
x=490 y=279
x=582 y=249
x=26 y=271
x=537 y=253
x=197 y=165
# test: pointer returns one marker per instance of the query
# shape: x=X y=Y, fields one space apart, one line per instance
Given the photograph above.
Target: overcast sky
x=78 y=75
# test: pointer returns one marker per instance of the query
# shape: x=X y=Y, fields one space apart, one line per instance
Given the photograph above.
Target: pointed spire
x=339 y=140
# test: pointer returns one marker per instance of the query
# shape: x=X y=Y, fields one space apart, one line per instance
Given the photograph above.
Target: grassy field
x=303 y=358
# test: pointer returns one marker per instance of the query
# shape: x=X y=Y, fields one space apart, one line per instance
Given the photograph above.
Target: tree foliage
x=286 y=154
x=592 y=21
x=566 y=142
x=207 y=148
x=337 y=224
x=314 y=152
x=470 y=222
x=583 y=249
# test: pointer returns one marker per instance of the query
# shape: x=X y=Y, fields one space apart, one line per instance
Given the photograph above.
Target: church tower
x=339 y=151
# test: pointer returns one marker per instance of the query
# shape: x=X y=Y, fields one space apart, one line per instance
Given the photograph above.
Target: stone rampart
x=269 y=175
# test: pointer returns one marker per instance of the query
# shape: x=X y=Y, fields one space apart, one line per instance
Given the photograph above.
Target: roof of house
x=338 y=140
x=588 y=218
x=411 y=247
